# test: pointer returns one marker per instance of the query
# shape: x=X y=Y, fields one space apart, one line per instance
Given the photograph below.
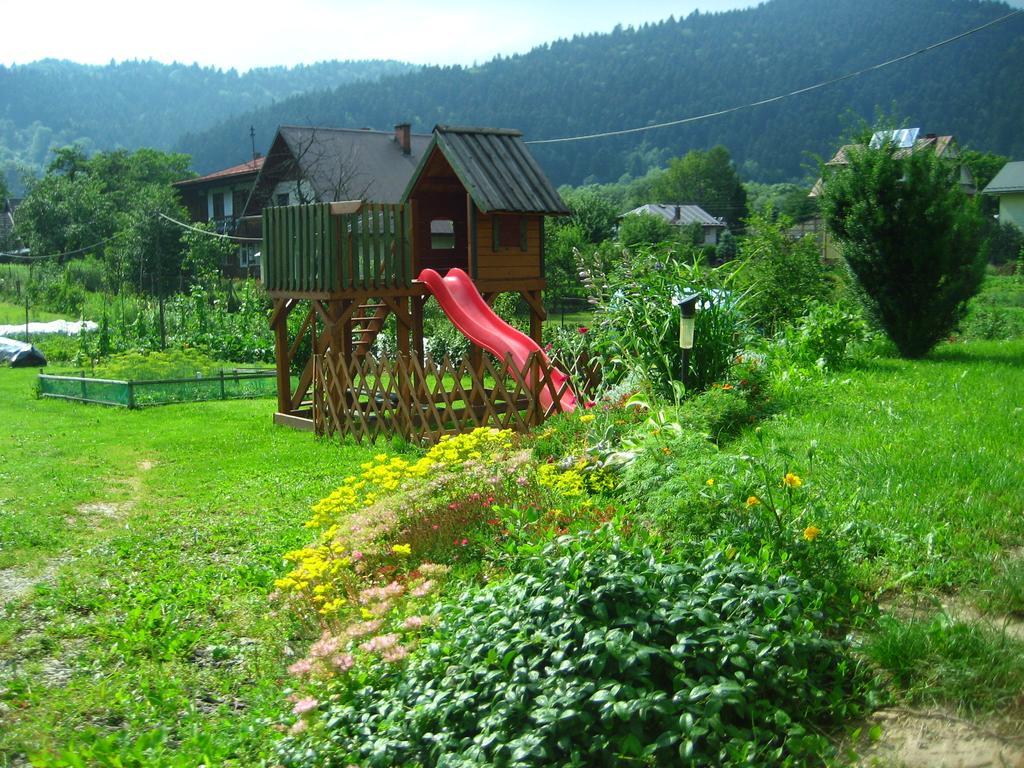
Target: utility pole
x=252 y=137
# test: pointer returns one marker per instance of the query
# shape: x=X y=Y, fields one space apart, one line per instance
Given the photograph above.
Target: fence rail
x=224 y=385
x=328 y=247
x=369 y=398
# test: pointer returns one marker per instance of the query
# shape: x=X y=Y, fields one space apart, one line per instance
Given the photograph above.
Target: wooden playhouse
x=474 y=209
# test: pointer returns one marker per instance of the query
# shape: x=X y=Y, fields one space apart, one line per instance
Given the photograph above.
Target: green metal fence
x=224 y=385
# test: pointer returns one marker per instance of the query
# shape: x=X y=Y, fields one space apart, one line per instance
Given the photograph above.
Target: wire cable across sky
x=780 y=97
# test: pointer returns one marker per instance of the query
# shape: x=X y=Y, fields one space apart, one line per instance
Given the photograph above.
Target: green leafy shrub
x=910 y=236
x=637 y=326
x=784 y=275
x=599 y=654
x=826 y=335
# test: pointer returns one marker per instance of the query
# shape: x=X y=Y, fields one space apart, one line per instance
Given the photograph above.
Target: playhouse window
x=442 y=235
x=509 y=232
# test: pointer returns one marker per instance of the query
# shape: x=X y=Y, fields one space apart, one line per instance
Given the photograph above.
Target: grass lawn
x=153 y=538
x=14 y=313
x=919 y=467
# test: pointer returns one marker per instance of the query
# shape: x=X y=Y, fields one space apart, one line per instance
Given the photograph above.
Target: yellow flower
x=811 y=532
x=711 y=481
x=792 y=481
x=587 y=418
x=752 y=501
x=402 y=549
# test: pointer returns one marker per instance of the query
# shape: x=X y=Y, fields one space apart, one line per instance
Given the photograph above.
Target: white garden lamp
x=687 y=320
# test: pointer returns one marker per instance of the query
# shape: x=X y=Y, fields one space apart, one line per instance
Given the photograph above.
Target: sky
x=264 y=33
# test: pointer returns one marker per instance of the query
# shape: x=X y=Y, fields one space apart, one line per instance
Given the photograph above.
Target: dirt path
x=936 y=739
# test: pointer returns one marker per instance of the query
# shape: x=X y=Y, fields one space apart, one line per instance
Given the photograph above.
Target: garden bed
x=224 y=385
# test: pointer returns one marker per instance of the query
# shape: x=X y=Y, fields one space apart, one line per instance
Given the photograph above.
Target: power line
x=201 y=231
x=780 y=97
x=75 y=252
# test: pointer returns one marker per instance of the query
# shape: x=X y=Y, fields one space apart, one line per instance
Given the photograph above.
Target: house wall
x=1011 y=209
x=507 y=262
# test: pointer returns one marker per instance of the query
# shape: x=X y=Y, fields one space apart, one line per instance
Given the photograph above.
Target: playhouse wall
x=508 y=262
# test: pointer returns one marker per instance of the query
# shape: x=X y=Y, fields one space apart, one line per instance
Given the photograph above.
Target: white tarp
x=10 y=347
x=67 y=327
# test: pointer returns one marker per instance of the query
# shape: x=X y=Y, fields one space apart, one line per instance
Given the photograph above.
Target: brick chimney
x=403 y=136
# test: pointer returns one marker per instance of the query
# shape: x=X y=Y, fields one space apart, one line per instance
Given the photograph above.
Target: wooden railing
x=325 y=248
x=368 y=398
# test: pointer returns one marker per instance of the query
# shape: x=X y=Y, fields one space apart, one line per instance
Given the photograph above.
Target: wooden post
x=282 y=308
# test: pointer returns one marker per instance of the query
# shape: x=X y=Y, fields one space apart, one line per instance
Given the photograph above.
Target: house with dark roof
x=1008 y=186
x=309 y=164
x=221 y=197
x=684 y=215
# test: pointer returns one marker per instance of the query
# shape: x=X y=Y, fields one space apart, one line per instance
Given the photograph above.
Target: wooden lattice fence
x=367 y=397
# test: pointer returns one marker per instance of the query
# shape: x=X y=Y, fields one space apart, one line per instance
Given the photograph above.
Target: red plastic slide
x=468 y=311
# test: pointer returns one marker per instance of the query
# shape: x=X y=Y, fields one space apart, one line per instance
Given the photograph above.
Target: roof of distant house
x=250 y=167
x=353 y=163
x=939 y=144
x=1009 y=179
x=680 y=215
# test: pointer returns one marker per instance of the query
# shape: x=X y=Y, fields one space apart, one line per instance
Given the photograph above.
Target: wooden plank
x=345 y=251
x=365 y=259
x=407 y=243
x=295 y=422
x=343 y=207
x=331 y=247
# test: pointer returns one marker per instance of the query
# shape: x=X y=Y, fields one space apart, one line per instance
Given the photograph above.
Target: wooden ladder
x=367 y=325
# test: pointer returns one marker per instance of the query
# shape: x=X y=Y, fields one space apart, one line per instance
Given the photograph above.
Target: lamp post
x=687 y=314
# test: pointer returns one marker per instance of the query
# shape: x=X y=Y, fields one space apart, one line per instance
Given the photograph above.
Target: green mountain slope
x=144 y=103
x=630 y=77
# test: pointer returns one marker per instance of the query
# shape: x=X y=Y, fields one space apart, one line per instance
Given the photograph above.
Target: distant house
x=680 y=215
x=221 y=197
x=908 y=143
x=308 y=164
x=1008 y=186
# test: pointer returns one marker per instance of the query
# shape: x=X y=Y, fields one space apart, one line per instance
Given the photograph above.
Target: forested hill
x=144 y=103
x=973 y=89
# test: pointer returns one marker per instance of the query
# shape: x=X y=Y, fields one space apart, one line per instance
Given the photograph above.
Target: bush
x=637 y=325
x=911 y=237
x=599 y=654
x=826 y=336
x=784 y=275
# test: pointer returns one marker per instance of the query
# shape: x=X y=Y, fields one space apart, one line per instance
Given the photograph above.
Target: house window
x=509 y=232
x=282 y=199
x=218 y=205
x=238 y=199
x=442 y=235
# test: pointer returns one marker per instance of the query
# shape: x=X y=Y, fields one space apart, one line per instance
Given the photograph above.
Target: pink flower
x=453 y=506
x=364 y=628
x=298 y=727
x=357 y=556
x=302 y=706
x=582 y=329
x=343 y=662
x=325 y=646
x=435 y=526
x=380 y=643
x=414 y=622
x=301 y=667
x=397 y=653
x=423 y=589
